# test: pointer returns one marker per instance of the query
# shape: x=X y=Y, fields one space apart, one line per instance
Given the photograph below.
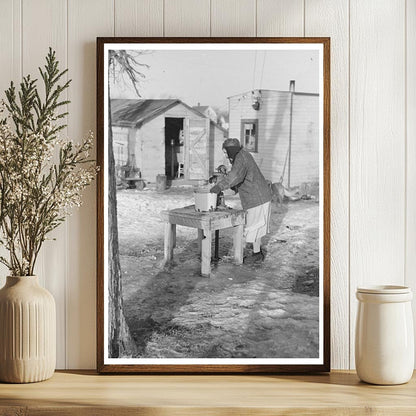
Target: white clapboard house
x=281 y=129
x=165 y=136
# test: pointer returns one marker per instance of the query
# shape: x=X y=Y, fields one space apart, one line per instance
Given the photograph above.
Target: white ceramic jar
x=384 y=338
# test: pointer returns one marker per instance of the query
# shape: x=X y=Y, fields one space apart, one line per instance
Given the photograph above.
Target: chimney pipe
x=292 y=85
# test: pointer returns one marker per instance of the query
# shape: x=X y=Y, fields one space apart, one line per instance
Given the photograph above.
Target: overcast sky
x=210 y=76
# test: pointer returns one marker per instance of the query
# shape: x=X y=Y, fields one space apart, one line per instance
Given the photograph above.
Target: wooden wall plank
x=44 y=24
x=411 y=149
x=187 y=18
x=379 y=211
x=86 y=21
x=377 y=152
x=10 y=44
x=331 y=18
x=138 y=18
x=233 y=18
x=280 y=18
x=6 y=46
x=11 y=65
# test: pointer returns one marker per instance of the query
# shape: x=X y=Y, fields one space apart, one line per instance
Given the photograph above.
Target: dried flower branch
x=41 y=176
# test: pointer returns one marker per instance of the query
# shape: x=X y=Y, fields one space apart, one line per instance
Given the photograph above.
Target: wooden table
x=85 y=393
x=206 y=223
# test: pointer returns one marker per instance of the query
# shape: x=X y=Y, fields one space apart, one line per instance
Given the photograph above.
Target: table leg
x=170 y=232
x=206 y=253
x=174 y=236
x=200 y=237
x=217 y=245
x=238 y=244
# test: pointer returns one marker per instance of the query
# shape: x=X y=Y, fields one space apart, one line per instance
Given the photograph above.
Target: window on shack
x=249 y=134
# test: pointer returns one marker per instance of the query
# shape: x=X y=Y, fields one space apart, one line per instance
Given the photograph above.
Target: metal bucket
x=161 y=182
x=204 y=200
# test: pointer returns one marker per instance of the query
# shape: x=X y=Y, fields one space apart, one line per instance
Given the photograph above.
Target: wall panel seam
x=405 y=145
x=21 y=39
x=67 y=231
x=304 y=18
x=349 y=186
x=210 y=18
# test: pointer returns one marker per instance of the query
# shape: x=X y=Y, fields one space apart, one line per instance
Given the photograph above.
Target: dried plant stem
x=36 y=194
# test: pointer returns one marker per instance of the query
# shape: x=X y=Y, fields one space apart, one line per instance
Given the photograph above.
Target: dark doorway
x=174 y=148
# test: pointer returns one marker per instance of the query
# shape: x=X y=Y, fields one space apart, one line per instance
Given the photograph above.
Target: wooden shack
x=281 y=129
x=165 y=136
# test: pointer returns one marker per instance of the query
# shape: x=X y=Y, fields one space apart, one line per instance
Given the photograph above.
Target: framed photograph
x=213 y=205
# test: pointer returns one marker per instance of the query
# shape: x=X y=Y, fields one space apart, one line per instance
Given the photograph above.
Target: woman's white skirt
x=257 y=222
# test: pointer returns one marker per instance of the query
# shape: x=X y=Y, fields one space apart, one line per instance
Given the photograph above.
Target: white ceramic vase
x=384 y=340
x=27 y=331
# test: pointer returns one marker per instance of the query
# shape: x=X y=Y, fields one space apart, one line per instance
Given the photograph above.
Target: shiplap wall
x=373 y=132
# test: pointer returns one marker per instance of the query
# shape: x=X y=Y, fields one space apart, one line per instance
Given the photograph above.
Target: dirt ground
x=270 y=310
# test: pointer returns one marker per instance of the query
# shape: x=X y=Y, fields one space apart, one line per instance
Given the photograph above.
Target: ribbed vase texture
x=27 y=331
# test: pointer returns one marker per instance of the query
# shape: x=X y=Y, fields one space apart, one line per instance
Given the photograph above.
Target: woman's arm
x=234 y=177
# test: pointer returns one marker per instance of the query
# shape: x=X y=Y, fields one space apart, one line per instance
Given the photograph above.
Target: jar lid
x=384 y=289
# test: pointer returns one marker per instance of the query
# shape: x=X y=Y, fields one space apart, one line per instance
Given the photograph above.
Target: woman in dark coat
x=246 y=178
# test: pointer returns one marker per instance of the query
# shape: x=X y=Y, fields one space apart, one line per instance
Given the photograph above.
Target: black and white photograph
x=212 y=187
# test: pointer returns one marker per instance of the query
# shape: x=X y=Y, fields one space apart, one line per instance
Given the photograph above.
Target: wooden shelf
x=86 y=393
